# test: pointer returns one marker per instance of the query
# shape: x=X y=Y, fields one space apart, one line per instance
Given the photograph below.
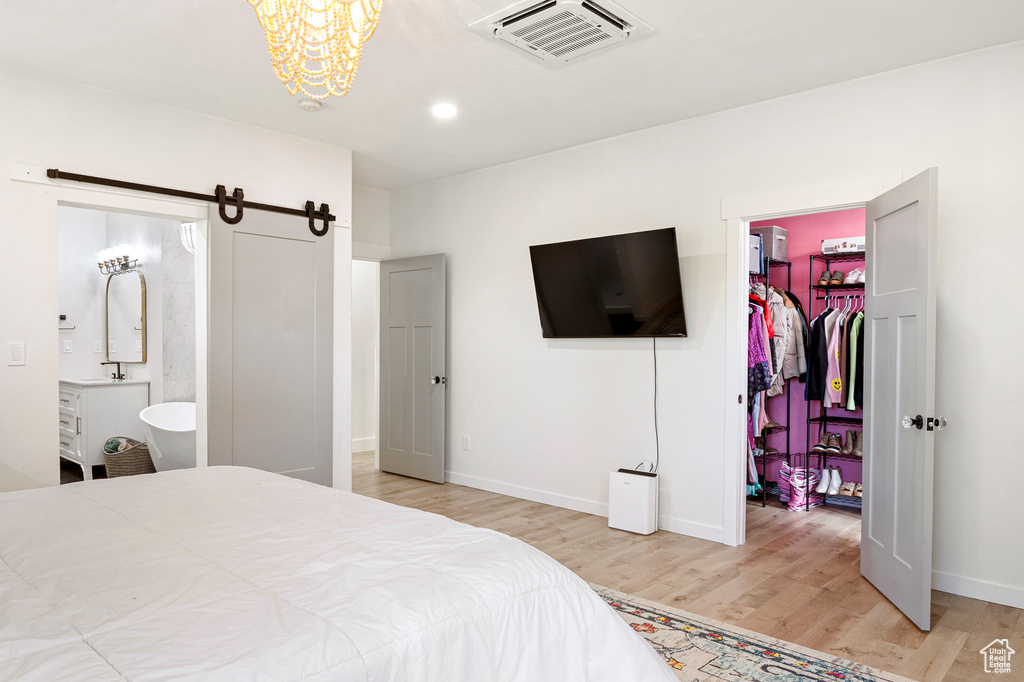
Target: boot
x=834 y=444
x=826 y=480
x=847 y=444
x=858 y=444
x=836 y=483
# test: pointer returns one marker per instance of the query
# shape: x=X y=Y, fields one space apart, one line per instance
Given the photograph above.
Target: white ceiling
x=706 y=56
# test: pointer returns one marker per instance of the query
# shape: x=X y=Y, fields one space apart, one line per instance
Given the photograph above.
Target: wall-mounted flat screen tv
x=617 y=286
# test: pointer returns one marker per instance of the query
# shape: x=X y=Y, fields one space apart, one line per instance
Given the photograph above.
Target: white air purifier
x=633 y=501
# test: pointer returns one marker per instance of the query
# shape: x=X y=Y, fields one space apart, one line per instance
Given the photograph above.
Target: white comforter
x=228 y=573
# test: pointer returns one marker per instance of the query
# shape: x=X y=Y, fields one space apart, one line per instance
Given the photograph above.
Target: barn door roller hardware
x=220 y=197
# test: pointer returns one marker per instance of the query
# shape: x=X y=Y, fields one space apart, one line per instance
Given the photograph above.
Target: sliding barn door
x=899 y=395
x=412 y=367
x=271 y=336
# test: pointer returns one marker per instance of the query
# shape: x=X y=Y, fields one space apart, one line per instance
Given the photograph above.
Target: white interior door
x=412 y=367
x=271 y=336
x=896 y=532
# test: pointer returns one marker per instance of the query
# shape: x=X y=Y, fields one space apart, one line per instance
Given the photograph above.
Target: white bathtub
x=170 y=430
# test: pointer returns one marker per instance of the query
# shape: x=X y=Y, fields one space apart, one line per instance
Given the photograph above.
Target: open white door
x=412 y=367
x=899 y=404
x=271 y=346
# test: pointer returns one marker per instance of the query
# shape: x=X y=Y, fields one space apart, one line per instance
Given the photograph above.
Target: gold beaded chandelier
x=316 y=44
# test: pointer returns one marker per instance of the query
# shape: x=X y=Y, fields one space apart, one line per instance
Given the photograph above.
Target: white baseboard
x=978 y=589
x=680 y=526
x=696 y=530
x=364 y=444
x=531 y=494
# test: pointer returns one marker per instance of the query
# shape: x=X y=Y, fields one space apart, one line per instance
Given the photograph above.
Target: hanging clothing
x=758 y=369
x=817 y=358
x=781 y=341
x=833 y=383
x=856 y=360
x=806 y=330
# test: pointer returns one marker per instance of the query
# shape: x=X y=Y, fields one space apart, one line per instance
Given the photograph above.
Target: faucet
x=118 y=375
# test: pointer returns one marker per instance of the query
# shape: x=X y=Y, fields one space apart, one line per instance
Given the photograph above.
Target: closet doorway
x=809 y=406
x=898 y=361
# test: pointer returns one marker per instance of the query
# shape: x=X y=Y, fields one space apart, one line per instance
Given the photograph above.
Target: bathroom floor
x=72 y=473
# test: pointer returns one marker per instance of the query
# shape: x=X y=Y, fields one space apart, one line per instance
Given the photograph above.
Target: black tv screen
x=623 y=285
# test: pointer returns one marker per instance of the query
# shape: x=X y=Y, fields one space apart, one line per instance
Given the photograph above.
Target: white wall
x=371 y=223
x=56 y=124
x=81 y=290
x=364 y=355
x=549 y=419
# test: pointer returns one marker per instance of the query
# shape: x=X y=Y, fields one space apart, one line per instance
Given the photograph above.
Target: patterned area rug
x=701 y=649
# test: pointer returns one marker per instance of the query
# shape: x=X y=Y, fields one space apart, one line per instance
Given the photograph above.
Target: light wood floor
x=797 y=577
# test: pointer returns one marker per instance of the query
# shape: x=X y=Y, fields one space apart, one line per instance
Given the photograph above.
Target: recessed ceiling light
x=310 y=105
x=444 y=110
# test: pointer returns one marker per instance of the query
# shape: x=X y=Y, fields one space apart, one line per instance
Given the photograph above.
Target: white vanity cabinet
x=92 y=411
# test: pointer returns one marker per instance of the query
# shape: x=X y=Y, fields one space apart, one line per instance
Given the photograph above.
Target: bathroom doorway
x=152 y=318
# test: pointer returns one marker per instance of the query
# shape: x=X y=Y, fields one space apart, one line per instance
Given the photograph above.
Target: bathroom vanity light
x=188 y=237
x=118 y=266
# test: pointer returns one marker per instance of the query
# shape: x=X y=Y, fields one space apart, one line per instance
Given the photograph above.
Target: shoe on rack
x=838 y=277
x=823 y=443
x=847 y=488
x=834 y=445
x=771 y=426
x=854 y=276
x=824 y=278
x=860 y=277
x=847 y=448
x=826 y=481
x=837 y=482
x=858 y=444
x=858 y=490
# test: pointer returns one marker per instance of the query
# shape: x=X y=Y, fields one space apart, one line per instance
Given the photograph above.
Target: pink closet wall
x=805 y=235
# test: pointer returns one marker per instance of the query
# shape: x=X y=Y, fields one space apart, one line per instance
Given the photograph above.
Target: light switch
x=138 y=345
x=67 y=345
x=97 y=346
x=111 y=346
x=15 y=353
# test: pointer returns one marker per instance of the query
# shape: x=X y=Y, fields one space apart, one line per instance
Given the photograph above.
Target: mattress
x=228 y=573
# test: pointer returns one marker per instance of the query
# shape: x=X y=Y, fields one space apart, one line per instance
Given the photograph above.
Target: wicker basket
x=131 y=461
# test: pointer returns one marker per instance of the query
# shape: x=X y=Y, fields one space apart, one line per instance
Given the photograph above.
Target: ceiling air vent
x=556 y=32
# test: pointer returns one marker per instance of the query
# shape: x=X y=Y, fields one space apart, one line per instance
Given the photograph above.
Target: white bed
x=228 y=573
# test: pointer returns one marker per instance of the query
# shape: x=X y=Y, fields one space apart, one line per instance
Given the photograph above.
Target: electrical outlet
x=465 y=443
x=138 y=345
x=67 y=345
x=97 y=346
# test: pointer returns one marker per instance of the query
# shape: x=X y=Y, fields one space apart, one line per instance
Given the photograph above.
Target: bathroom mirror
x=126 y=317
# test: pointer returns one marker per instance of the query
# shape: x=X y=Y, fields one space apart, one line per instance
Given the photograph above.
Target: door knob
x=917 y=421
x=936 y=423
x=439 y=380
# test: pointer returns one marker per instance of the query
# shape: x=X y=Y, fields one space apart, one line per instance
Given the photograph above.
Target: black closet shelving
x=770 y=263
x=821 y=292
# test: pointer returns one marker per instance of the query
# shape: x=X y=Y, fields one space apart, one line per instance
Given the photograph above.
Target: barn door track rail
x=220 y=197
